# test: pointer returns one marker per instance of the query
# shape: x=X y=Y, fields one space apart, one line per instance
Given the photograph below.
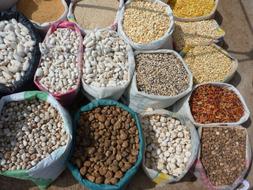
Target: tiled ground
x=236 y=17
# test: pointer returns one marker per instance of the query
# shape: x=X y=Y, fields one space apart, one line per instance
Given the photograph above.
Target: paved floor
x=236 y=17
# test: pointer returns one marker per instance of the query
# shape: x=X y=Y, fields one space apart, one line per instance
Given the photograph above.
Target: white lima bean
x=59 y=71
x=106 y=59
x=16 y=46
x=30 y=131
x=168 y=144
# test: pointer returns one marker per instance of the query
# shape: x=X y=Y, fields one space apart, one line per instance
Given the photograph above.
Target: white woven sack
x=201 y=173
x=71 y=17
x=163 y=42
x=46 y=25
x=92 y=92
x=199 y=18
x=49 y=168
x=140 y=101
x=161 y=178
x=186 y=111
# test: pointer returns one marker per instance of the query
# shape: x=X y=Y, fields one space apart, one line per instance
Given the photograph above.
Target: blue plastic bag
x=131 y=172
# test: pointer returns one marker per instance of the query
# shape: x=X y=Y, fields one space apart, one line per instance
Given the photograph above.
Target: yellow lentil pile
x=188 y=34
x=191 y=8
x=145 y=21
x=208 y=64
x=41 y=11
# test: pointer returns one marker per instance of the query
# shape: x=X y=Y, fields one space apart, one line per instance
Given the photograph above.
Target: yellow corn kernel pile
x=191 y=8
x=208 y=64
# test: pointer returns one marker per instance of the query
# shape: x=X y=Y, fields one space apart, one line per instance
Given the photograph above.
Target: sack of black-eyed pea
x=224 y=156
x=36 y=137
x=161 y=78
x=171 y=146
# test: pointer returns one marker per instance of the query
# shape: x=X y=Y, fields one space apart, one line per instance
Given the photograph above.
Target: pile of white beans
x=16 y=46
x=105 y=59
x=59 y=70
x=168 y=144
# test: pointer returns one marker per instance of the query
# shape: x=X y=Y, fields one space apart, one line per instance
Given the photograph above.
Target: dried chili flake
x=215 y=104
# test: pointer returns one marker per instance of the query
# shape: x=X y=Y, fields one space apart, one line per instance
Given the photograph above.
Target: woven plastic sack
x=131 y=172
x=4 y=5
x=201 y=173
x=68 y=97
x=184 y=107
x=160 y=178
x=71 y=17
x=48 y=169
x=164 y=42
x=199 y=18
x=140 y=101
x=33 y=62
x=234 y=64
x=46 y=25
x=219 y=38
x=92 y=92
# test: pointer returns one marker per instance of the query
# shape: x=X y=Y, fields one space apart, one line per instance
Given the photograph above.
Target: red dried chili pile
x=215 y=104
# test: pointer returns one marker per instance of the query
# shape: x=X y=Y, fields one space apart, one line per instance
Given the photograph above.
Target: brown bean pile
x=161 y=74
x=215 y=104
x=223 y=154
x=107 y=144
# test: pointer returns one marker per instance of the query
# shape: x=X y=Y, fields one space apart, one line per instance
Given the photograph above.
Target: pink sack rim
x=53 y=28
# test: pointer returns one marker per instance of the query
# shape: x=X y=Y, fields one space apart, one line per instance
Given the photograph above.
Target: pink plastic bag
x=201 y=173
x=68 y=97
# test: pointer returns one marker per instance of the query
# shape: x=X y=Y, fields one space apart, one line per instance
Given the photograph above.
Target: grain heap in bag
x=41 y=133
x=215 y=104
x=210 y=64
x=109 y=145
x=191 y=8
x=41 y=11
x=188 y=34
x=168 y=144
x=16 y=51
x=59 y=69
x=146 y=24
x=109 y=64
x=19 y=51
x=225 y=155
x=92 y=14
x=35 y=137
x=152 y=74
x=160 y=79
